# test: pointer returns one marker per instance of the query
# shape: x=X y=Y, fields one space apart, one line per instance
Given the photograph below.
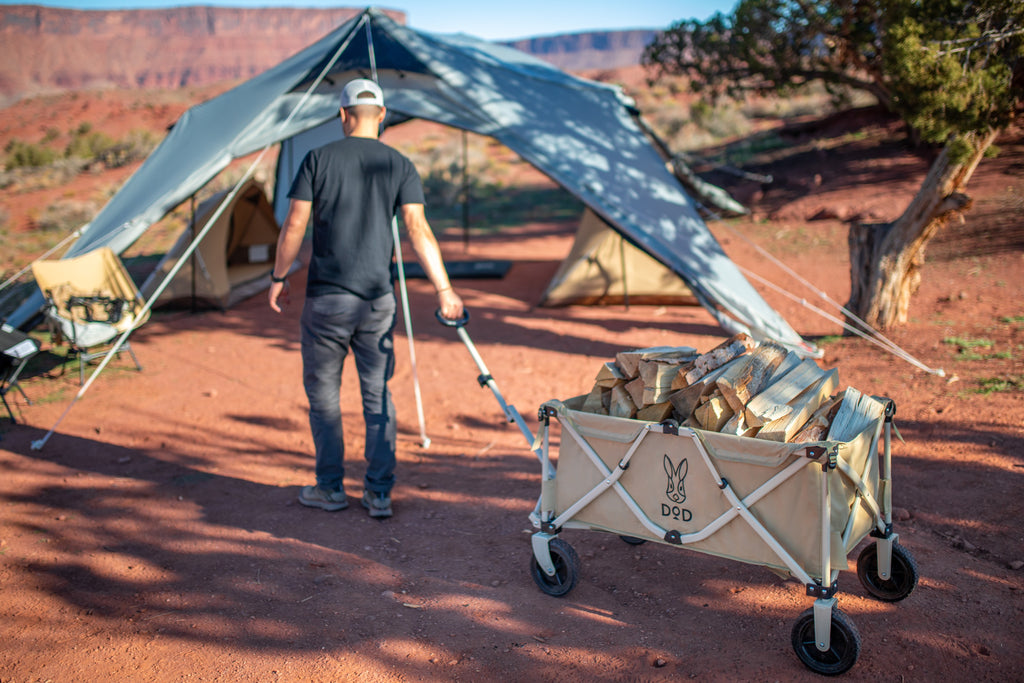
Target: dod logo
x=675 y=490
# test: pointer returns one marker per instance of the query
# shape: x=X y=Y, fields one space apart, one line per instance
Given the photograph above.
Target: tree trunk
x=886 y=258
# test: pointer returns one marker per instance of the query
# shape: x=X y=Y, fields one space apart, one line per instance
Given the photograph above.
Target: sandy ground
x=157 y=536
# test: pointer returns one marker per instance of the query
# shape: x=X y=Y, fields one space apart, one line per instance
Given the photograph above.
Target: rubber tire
x=567 y=569
x=903 y=573
x=843 y=650
x=633 y=540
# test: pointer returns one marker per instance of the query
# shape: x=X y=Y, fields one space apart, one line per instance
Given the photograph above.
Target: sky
x=488 y=19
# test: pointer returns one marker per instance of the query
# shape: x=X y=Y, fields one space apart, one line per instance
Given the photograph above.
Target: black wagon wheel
x=633 y=540
x=844 y=647
x=567 y=569
x=902 y=575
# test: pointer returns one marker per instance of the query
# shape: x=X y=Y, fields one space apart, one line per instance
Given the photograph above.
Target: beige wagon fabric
x=669 y=480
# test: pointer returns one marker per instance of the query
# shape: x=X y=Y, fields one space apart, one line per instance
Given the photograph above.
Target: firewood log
x=629 y=361
x=713 y=413
x=772 y=403
x=744 y=380
x=855 y=414
x=713 y=359
x=804 y=406
x=657 y=412
x=621 y=405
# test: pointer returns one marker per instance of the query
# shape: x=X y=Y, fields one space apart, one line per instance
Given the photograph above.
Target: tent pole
x=622 y=259
x=425 y=440
x=192 y=225
x=465 y=191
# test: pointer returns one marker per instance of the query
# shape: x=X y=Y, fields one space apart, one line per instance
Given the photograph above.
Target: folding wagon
x=796 y=508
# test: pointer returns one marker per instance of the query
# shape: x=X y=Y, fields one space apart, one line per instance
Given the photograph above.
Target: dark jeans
x=331 y=325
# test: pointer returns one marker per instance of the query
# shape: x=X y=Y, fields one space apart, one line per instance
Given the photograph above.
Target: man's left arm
x=289 y=242
x=429 y=254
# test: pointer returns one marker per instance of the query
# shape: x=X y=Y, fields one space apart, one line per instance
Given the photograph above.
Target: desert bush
x=65 y=215
x=137 y=145
x=22 y=154
x=88 y=144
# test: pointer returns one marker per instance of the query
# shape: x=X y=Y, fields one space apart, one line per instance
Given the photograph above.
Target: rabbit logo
x=675 y=490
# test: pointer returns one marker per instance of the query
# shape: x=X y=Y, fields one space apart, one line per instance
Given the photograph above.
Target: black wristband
x=274 y=278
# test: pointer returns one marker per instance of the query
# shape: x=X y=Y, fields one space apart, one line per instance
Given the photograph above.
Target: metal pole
x=193 y=257
x=408 y=333
x=465 y=191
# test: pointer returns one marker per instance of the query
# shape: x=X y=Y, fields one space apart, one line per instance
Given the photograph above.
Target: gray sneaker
x=316 y=497
x=379 y=504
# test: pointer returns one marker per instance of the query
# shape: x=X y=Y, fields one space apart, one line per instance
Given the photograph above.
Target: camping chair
x=16 y=349
x=91 y=300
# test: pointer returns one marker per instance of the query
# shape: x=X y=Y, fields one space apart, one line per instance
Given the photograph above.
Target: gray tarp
x=580 y=133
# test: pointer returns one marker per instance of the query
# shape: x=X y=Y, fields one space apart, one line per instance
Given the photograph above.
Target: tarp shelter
x=582 y=134
x=603 y=268
x=232 y=262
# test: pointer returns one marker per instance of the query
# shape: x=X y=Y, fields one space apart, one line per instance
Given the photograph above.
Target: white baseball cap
x=350 y=94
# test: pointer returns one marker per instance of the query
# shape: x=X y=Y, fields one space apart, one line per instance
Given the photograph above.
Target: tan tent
x=234 y=260
x=603 y=268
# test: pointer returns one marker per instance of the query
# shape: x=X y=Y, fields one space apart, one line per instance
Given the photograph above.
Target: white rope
x=13 y=278
x=38 y=444
x=796 y=276
x=890 y=347
x=868 y=332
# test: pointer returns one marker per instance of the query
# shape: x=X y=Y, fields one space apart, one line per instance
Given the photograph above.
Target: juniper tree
x=953 y=70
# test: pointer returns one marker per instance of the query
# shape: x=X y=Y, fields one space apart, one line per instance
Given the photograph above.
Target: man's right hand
x=451 y=304
x=278 y=295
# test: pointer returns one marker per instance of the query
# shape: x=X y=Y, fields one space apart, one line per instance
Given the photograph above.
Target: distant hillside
x=48 y=49
x=587 y=51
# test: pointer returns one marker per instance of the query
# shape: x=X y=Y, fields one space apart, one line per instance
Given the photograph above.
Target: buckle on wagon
x=815 y=453
x=816 y=590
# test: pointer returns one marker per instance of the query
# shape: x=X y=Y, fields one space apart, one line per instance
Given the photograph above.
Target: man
x=352 y=188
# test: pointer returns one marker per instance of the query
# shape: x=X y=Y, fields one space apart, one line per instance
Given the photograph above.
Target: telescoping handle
x=486 y=379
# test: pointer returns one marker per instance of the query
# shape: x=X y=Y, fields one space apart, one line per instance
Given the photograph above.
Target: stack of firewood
x=739 y=387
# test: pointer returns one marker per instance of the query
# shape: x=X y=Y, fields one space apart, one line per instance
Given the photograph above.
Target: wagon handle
x=486 y=379
x=447 y=322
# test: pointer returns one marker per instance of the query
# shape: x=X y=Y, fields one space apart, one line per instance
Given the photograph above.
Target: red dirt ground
x=157 y=536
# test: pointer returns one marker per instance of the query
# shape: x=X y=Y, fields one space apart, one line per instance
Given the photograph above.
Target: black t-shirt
x=355 y=185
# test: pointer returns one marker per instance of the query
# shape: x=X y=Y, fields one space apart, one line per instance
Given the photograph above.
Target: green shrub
x=94 y=146
x=27 y=155
x=88 y=145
